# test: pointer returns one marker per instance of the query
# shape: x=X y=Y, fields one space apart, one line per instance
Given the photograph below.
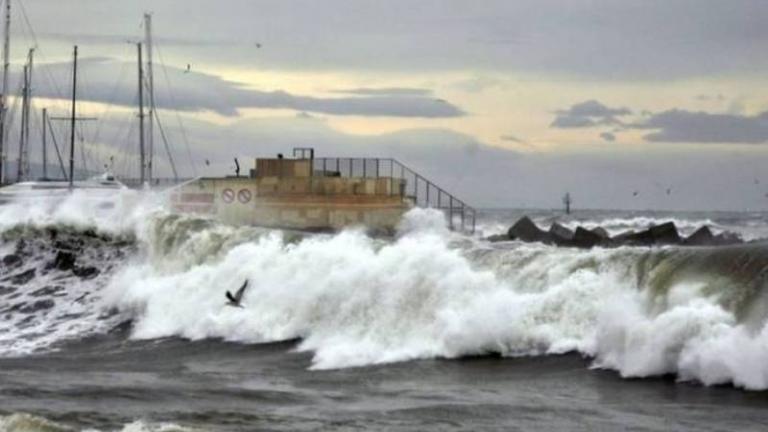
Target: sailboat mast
x=151 y=94
x=73 y=119
x=141 y=118
x=22 y=130
x=24 y=157
x=3 y=99
x=45 y=146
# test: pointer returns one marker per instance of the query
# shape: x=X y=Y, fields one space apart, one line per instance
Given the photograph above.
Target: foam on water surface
x=353 y=300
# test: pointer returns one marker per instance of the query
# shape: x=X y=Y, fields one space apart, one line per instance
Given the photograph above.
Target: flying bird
x=635 y=193
x=189 y=67
x=235 y=300
x=669 y=191
x=207 y=162
x=258 y=45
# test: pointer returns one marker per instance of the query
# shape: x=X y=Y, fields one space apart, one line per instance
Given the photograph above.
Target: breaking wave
x=353 y=300
x=23 y=422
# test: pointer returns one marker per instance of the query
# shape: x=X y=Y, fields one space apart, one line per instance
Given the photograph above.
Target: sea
x=113 y=317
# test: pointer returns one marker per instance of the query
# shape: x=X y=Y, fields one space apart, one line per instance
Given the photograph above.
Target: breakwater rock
x=663 y=234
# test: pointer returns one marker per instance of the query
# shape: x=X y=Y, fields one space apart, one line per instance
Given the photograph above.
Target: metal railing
x=421 y=191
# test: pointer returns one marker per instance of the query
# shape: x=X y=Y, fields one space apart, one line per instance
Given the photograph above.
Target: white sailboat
x=101 y=188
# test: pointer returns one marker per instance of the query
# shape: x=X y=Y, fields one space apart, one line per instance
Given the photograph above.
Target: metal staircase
x=414 y=187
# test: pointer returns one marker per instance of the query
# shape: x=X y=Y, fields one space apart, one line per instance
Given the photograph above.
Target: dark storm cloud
x=701 y=127
x=113 y=82
x=587 y=114
x=673 y=126
x=604 y=39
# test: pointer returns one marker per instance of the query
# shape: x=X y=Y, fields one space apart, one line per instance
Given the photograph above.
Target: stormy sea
x=114 y=318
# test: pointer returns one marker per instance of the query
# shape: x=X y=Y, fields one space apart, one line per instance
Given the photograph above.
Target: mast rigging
x=3 y=99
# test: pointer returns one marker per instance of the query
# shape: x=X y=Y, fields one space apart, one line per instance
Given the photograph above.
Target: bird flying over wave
x=236 y=300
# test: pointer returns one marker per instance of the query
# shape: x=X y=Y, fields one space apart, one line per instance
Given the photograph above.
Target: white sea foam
x=112 y=211
x=23 y=422
x=356 y=301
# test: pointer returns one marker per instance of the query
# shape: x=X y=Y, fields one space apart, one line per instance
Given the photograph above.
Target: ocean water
x=114 y=319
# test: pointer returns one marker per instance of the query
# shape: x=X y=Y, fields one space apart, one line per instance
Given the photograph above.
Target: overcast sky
x=507 y=103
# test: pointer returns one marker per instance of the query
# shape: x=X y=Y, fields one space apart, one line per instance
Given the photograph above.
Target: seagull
x=207 y=162
x=669 y=191
x=635 y=193
x=234 y=300
x=258 y=45
x=189 y=67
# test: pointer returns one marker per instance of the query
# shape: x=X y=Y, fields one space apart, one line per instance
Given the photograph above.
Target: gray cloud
x=676 y=125
x=700 y=127
x=477 y=84
x=710 y=97
x=588 y=114
x=386 y=91
x=603 y=38
x=512 y=138
x=470 y=169
x=113 y=82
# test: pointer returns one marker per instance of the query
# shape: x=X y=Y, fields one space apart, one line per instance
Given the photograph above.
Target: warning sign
x=244 y=196
x=228 y=195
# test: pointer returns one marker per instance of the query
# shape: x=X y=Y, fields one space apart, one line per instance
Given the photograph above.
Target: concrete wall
x=283 y=167
x=297 y=202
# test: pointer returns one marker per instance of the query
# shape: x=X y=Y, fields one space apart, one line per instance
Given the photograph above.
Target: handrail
x=429 y=195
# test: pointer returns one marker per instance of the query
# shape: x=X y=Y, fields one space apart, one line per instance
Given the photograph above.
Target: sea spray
x=353 y=300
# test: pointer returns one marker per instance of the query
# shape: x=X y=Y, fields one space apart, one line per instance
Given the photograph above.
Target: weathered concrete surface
x=299 y=202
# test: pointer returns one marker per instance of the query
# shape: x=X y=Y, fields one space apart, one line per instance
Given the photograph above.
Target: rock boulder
x=701 y=237
x=527 y=231
x=584 y=238
x=560 y=234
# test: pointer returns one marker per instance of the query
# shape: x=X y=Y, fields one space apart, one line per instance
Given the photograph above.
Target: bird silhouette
x=669 y=191
x=189 y=67
x=235 y=300
x=635 y=193
x=258 y=45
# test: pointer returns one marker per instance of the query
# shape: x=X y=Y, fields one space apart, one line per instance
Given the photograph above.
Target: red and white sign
x=228 y=195
x=244 y=196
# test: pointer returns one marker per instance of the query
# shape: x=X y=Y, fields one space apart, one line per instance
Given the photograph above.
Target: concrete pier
x=287 y=193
